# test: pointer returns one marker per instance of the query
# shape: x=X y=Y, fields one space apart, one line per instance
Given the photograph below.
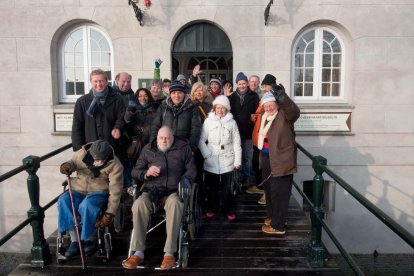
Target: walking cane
x=76 y=224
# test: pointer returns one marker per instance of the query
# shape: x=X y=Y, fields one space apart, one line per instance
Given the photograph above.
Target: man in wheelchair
x=99 y=173
x=162 y=165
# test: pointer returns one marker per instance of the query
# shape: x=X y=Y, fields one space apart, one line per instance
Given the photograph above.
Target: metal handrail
x=320 y=166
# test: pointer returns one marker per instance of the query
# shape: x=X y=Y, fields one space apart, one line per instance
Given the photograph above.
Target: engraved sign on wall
x=340 y=122
x=63 y=122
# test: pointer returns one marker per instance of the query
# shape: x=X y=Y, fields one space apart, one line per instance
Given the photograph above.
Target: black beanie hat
x=100 y=150
x=177 y=86
x=269 y=80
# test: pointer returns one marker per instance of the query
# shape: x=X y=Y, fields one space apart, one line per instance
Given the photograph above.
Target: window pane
x=300 y=47
x=70 y=45
x=325 y=89
x=100 y=40
x=298 y=75
x=299 y=60
x=79 y=59
x=69 y=60
x=309 y=36
x=336 y=60
x=80 y=88
x=69 y=88
x=326 y=60
x=327 y=48
x=79 y=73
x=336 y=47
x=326 y=75
x=69 y=74
x=328 y=37
x=336 y=87
x=79 y=47
x=308 y=74
x=308 y=89
x=311 y=48
x=106 y=59
x=298 y=89
x=96 y=59
x=336 y=75
x=309 y=60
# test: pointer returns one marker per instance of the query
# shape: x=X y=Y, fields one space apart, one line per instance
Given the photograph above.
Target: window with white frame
x=318 y=66
x=82 y=49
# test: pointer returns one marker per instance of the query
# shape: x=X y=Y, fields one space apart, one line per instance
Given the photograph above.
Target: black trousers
x=255 y=165
x=219 y=192
x=278 y=190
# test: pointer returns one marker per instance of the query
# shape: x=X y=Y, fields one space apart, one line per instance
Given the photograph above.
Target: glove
x=67 y=168
x=132 y=108
x=158 y=62
x=106 y=219
x=186 y=182
x=279 y=92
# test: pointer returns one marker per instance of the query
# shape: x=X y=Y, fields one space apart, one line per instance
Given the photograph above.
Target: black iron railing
x=316 y=249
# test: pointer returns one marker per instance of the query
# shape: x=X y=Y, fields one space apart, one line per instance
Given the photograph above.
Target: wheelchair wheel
x=194 y=223
x=108 y=245
x=184 y=256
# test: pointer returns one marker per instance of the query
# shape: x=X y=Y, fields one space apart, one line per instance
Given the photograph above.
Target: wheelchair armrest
x=183 y=193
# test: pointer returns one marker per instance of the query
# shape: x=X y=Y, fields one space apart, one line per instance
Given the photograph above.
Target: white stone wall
x=377 y=159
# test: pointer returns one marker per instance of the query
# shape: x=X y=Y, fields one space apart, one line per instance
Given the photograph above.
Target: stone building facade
x=347 y=63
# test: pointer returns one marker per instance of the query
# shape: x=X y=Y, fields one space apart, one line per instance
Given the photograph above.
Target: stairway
x=222 y=248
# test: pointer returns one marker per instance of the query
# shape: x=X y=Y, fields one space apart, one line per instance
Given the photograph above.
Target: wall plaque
x=324 y=122
x=63 y=122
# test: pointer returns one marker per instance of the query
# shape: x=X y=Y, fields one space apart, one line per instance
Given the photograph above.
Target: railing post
x=316 y=250
x=40 y=250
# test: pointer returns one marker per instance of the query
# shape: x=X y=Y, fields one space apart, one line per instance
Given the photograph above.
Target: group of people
x=177 y=132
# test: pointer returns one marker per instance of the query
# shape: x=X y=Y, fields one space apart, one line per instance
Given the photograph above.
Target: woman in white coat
x=220 y=146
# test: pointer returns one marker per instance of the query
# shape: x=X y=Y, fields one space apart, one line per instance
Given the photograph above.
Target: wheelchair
x=104 y=240
x=190 y=222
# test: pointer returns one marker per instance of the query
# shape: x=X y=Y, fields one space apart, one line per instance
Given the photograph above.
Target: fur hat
x=216 y=80
x=269 y=80
x=181 y=77
x=100 y=150
x=177 y=86
x=241 y=76
x=268 y=97
x=222 y=100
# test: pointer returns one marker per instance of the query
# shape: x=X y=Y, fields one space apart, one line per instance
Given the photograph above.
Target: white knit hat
x=222 y=100
x=268 y=97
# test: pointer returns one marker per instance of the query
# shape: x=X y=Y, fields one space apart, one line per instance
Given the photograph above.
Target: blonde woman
x=202 y=99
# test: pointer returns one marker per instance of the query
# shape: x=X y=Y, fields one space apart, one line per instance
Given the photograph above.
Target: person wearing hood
x=98 y=183
x=220 y=146
x=180 y=114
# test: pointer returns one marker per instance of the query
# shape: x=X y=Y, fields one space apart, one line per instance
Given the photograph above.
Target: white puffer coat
x=220 y=144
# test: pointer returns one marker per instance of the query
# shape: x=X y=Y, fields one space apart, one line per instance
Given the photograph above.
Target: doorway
x=204 y=44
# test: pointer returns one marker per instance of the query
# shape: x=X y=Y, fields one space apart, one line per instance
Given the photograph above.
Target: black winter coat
x=241 y=113
x=184 y=122
x=174 y=163
x=138 y=123
x=87 y=129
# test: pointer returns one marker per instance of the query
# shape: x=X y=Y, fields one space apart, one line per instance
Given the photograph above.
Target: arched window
x=318 y=66
x=82 y=49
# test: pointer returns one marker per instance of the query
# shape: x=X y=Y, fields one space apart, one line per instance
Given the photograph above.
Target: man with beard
x=161 y=166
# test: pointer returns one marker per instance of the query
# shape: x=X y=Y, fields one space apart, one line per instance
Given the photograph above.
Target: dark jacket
x=282 y=138
x=204 y=108
x=126 y=96
x=184 y=121
x=87 y=129
x=138 y=123
x=242 y=113
x=174 y=163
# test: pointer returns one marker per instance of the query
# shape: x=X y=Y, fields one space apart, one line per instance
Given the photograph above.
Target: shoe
x=89 y=247
x=168 y=262
x=262 y=200
x=231 y=216
x=73 y=250
x=210 y=214
x=267 y=221
x=132 y=262
x=254 y=190
x=270 y=230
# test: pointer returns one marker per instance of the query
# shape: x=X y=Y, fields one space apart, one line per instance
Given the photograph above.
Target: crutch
x=76 y=224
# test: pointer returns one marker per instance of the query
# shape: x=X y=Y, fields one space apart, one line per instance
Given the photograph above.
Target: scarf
x=265 y=124
x=241 y=96
x=145 y=106
x=97 y=97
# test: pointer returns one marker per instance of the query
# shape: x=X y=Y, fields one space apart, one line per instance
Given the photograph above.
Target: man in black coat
x=244 y=103
x=98 y=114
